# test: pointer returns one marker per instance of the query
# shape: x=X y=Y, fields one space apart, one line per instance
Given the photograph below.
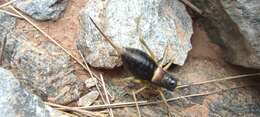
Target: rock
x=7 y=23
x=235 y=26
x=42 y=68
x=236 y=104
x=42 y=9
x=6 y=26
x=88 y=99
x=91 y=82
x=159 y=22
x=45 y=68
x=16 y=101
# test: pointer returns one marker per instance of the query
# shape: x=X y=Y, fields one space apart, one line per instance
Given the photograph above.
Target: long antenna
x=119 y=50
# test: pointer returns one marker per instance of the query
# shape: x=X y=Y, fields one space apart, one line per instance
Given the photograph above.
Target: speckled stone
x=159 y=22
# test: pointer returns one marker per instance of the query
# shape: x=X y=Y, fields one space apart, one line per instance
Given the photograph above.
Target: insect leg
x=141 y=89
x=164 y=100
x=163 y=97
x=164 y=56
x=167 y=66
x=136 y=104
x=152 y=55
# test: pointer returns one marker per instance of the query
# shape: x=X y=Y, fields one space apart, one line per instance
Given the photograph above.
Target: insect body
x=142 y=66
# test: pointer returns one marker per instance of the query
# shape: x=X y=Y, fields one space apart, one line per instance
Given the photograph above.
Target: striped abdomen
x=144 y=67
x=138 y=63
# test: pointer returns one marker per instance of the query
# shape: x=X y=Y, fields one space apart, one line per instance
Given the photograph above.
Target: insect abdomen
x=139 y=63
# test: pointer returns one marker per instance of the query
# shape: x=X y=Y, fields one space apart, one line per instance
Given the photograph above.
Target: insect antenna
x=218 y=80
x=119 y=50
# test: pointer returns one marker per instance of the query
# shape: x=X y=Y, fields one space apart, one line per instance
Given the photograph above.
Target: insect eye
x=172 y=82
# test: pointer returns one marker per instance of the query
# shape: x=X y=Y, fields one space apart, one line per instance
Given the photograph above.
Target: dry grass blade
x=85 y=112
x=143 y=103
x=86 y=64
x=12 y=14
x=218 y=80
x=193 y=7
x=92 y=74
x=136 y=104
x=101 y=95
x=106 y=95
x=7 y=3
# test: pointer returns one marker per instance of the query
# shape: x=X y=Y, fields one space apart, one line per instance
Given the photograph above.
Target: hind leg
x=152 y=55
x=150 y=52
x=163 y=97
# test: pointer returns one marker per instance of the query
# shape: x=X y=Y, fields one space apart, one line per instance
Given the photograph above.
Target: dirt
x=205 y=61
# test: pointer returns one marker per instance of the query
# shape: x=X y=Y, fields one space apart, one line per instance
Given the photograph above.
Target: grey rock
x=236 y=104
x=43 y=69
x=235 y=26
x=88 y=99
x=42 y=9
x=91 y=82
x=7 y=22
x=15 y=101
x=159 y=22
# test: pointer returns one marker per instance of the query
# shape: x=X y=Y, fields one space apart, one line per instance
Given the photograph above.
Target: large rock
x=46 y=68
x=236 y=104
x=159 y=22
x=42 y=68
x=234 y=25
x=42 y=9
x=17 y=102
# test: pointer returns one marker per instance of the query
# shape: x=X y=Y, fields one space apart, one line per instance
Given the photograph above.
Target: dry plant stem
x=143 y=103
x=85 y=112
x=86 y=64
x=9 y=13
x=218 y=80
x=193 y=7
x=2 y=50
x=101 y=95
x=92 y=75
x=107 y=98
x=136 y=104
x=6 y=4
